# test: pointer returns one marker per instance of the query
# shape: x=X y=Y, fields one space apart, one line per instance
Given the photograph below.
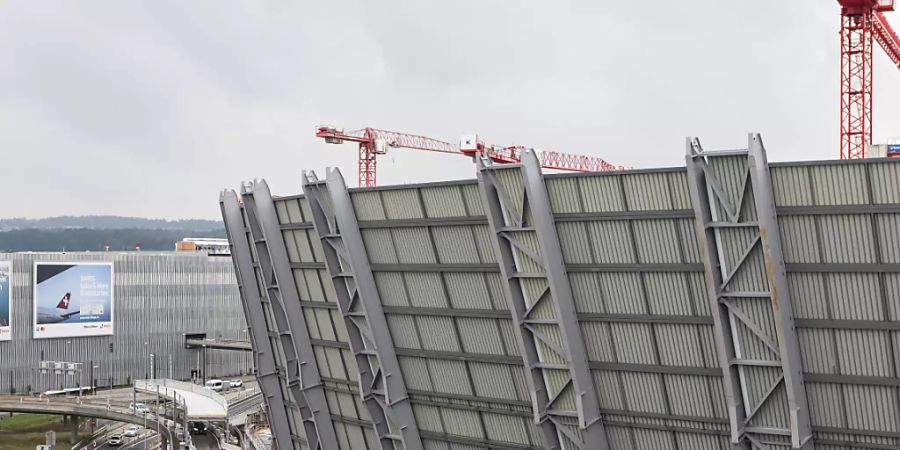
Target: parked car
x=114 y=440
x=216 y=385
x=132 y=431
x=235 y=383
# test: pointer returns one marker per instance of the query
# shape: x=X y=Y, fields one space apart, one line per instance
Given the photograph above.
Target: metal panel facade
x=635 y=268
x=158 y=298
x=632 y=258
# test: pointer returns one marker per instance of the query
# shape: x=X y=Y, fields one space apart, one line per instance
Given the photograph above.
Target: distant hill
x=109 y=223
x=86 y=239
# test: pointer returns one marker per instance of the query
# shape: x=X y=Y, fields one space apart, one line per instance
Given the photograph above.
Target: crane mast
x=862 y=24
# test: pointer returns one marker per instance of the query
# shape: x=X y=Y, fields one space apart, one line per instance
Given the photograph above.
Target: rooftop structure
x=212 y=246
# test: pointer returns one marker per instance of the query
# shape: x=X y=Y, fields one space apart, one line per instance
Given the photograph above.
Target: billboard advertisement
x=73 y=299
x=5 y=310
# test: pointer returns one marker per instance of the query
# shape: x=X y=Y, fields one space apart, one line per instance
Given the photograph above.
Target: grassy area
x=25 y=431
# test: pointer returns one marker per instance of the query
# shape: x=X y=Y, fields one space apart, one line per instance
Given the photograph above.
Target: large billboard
x=5 y=310
x=73 y=299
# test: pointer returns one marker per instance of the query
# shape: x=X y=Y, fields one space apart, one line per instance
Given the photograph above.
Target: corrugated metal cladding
x=635 y=268
x=158 y=298
x=327 y=333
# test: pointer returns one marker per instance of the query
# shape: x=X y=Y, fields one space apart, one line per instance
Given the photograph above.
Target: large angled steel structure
x=566 y=403
x=303 y=377
x=747 y=285
x=687 y=328
x=380 y=379
x=267 y=370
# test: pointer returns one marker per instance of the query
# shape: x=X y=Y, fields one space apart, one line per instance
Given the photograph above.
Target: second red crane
x=373 y=142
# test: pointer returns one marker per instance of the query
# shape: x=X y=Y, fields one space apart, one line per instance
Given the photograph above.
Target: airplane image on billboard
x=73 y=299
x=5 y=316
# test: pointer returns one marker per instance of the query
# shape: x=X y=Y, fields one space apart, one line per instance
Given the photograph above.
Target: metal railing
x=249 y=393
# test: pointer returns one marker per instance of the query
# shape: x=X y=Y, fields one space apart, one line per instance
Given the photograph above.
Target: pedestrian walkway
x=201 y=403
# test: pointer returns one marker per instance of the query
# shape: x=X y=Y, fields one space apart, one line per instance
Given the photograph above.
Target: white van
x=215 y=385
x=138 y=408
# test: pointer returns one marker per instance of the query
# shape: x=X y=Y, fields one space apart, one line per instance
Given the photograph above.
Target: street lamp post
x=93 y=380
x=203 y=373
x=157 y=414
x=145 y=427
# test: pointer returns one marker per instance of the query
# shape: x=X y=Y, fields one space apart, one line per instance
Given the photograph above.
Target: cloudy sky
x=151 y=108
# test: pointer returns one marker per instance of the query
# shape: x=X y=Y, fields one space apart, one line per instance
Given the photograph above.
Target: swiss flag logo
x=64 y=302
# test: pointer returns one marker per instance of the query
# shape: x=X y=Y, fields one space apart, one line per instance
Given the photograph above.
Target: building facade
x=157 y=299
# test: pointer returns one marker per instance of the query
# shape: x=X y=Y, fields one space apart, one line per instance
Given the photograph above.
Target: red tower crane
x=862 y=21
x=374 y=142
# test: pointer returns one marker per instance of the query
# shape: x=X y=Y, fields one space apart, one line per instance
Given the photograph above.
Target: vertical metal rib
x=789 y=345
x=303 y=369
x=740 y=245
x=263 y=353
x=709 y=252
x=380 y=378
x=564 y=397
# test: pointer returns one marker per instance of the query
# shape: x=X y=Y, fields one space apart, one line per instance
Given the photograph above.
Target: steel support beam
x=564 y=399
x=380 y=378
x=305 y=379
x=740 y=245
x=782 y=307
x=295 y=402
x=251 y=300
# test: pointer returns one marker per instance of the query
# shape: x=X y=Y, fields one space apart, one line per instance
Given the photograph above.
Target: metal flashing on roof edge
x=740 y=245
x=263 y=353
x=381 y=382
x=303 y=371
x=564 y=399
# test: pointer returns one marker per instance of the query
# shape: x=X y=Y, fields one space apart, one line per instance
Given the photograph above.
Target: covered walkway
x=202 y=404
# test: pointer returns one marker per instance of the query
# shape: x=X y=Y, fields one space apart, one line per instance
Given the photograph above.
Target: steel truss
x=564 y=399
x=304 y=380
x=856 y=85
x=381 y=381
x=738 y=234
x=251 y=300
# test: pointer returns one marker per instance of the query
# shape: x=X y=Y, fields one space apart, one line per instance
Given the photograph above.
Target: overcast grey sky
x=151 y=108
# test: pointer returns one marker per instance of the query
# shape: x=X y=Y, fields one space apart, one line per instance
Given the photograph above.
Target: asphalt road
x=201 y=441
x=205 y=442
x=129 y=443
